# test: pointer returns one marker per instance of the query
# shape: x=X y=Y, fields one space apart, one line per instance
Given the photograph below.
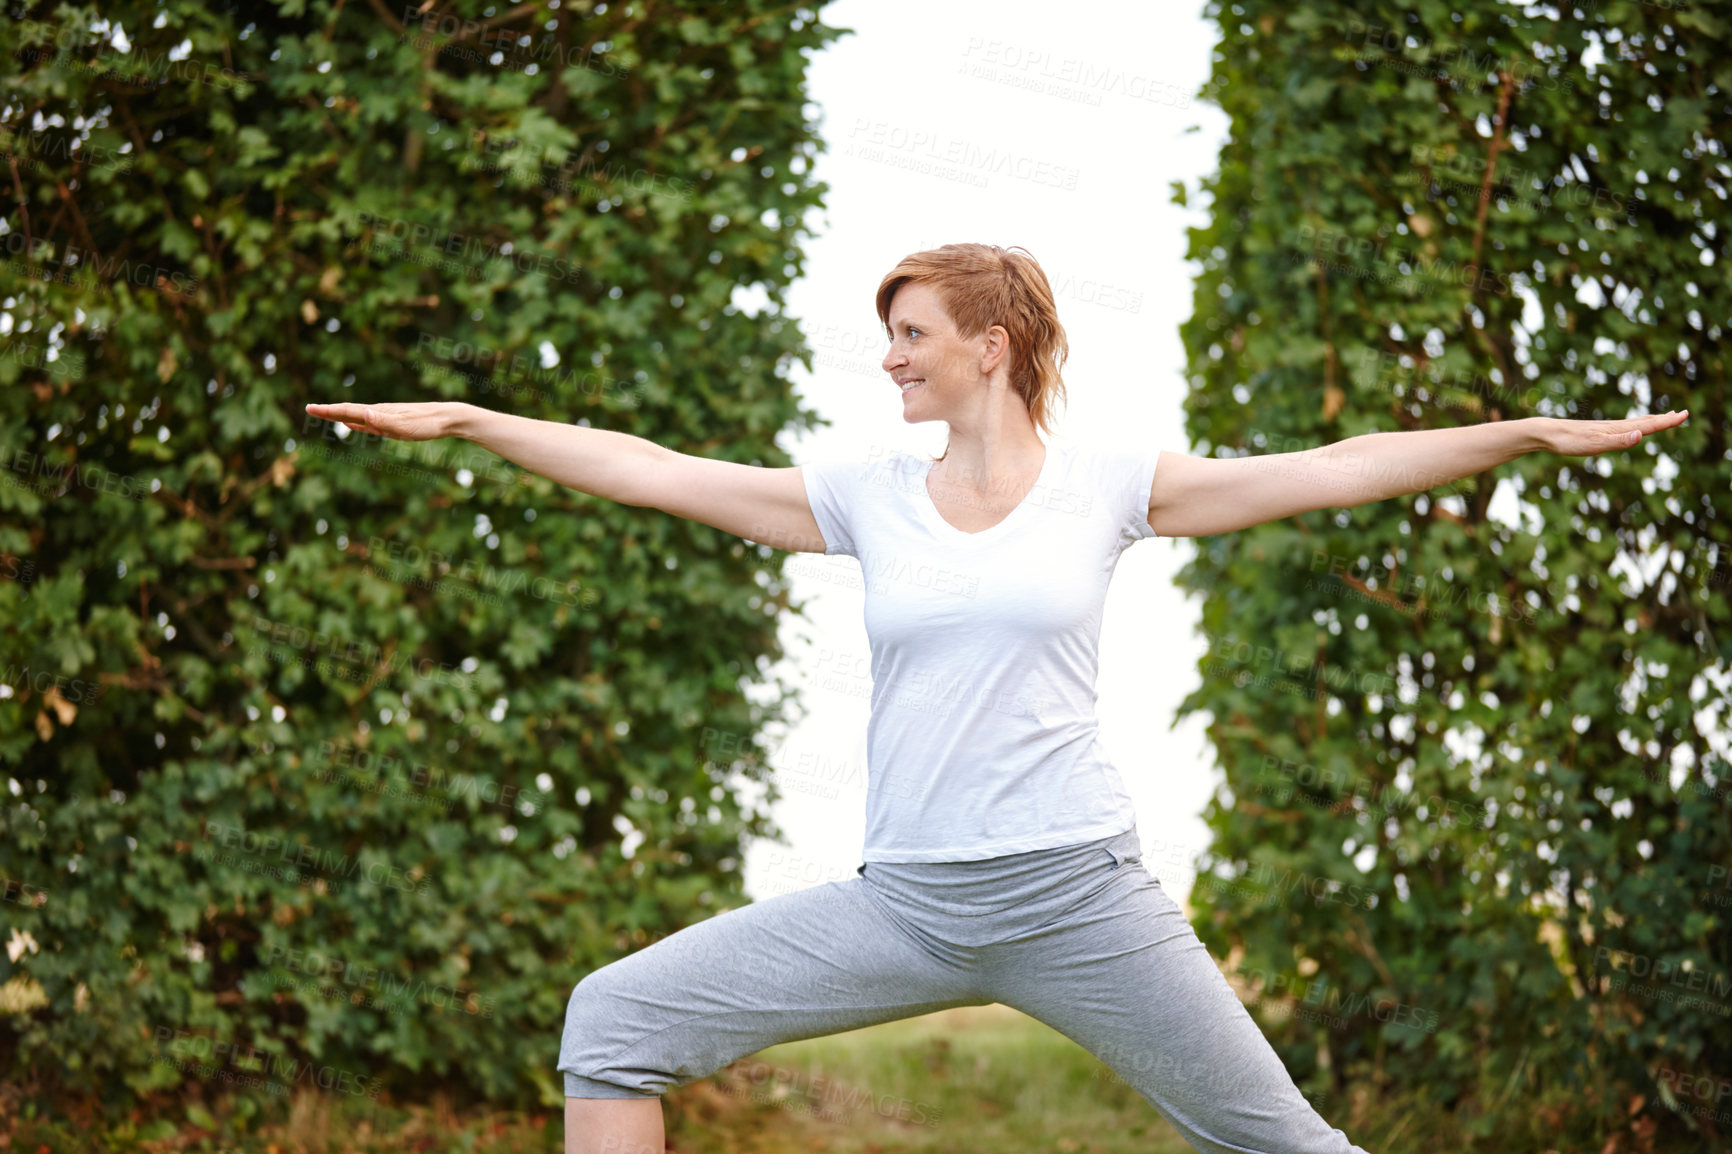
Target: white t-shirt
x=983 y=737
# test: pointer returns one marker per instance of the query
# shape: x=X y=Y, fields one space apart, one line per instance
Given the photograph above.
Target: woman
x=1013 y=873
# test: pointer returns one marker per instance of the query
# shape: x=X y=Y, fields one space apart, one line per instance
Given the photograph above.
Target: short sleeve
x=833 y=491
x=1129 y=475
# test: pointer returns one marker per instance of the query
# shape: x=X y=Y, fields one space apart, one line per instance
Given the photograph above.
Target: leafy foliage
x=1476 y=802
x=352 y=753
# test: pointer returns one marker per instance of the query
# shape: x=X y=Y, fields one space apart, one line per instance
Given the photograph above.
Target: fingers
x=344 y=411
x=358 y=417
x=1648 y=424
x=1589 y=438
x=1658 y=421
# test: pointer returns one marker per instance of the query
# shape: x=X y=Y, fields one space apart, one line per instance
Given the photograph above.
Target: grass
x=957 y=1082
x=969 y=1079
x=976 y=1078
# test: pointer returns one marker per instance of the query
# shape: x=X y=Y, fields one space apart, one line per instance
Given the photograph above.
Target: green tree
x=1476 y=805
x=344 y=751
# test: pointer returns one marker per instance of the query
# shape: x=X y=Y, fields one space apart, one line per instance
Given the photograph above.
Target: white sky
x=919 y=83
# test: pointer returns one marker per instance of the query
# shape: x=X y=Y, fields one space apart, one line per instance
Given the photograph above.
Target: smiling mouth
x=912 y=385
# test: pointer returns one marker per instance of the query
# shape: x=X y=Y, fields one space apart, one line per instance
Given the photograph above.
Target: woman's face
x=927 y=360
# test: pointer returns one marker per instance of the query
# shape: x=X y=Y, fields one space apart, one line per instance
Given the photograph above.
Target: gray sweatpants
x=1080 y=937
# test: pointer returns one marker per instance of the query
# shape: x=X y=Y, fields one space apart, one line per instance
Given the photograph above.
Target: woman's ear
x=997 y=348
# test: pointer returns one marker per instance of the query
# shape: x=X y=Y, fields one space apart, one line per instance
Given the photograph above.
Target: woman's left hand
x=1589 y=438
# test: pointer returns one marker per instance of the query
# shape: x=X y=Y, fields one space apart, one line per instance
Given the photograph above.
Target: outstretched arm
x=1199 y=496
x=600 y=462
x=765 y=505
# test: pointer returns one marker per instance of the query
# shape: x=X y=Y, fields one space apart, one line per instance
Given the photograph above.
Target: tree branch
x=1497 y=138
x=23 y=210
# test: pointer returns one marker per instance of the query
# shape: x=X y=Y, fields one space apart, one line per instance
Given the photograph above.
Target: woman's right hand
x=417 y=421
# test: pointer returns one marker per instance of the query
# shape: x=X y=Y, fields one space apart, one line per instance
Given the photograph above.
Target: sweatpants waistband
x=1033 y=880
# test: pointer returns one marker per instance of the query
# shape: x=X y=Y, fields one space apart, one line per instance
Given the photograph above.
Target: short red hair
x=983 y=285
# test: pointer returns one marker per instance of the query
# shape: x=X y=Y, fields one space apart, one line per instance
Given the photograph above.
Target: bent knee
x=599 y=1028
x=596 y=995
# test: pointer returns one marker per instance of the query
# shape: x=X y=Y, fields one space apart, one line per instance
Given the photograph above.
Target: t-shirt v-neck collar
x=929 y=509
